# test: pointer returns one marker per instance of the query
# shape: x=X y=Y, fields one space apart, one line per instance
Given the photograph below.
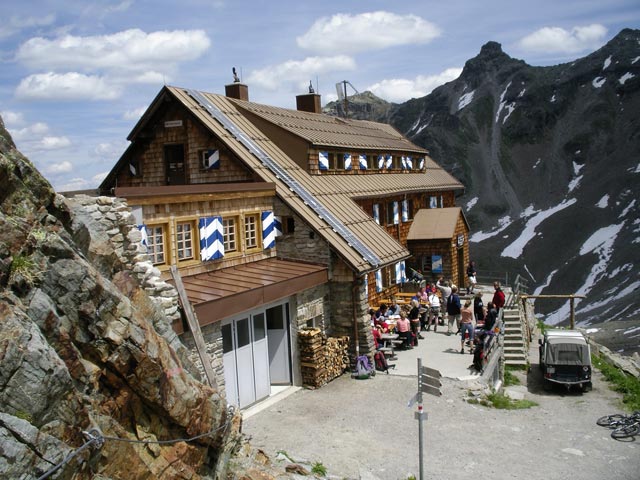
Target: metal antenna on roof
x=341 y=89
x=236 y=79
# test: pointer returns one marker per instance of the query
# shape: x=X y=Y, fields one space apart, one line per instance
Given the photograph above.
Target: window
x=392 y=213
x=250 y=231
x=184 y=240
x=288 y=225
x=156 y=244
x=229 y=229
x=333 y=161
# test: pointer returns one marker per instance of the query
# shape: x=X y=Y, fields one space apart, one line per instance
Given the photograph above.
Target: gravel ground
x=364 y=429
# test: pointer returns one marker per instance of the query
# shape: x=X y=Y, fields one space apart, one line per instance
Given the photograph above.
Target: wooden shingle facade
x=223 y=187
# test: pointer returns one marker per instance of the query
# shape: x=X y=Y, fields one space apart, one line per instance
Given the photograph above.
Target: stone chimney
x=309 y=102
x=237 y=90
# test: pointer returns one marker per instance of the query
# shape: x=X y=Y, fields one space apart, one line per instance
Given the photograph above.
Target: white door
x=260 y=357
x=229 y=364
x=244 y=363
x=278 y=335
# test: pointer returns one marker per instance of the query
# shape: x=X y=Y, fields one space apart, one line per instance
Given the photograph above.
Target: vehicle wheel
x=547 y=385
x=609 y=420
x=626 y=431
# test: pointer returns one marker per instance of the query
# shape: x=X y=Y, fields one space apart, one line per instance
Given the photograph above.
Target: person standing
x=491 y=317
x=453 y=310
x=471 y=277
x=478 y=307
x=414 y=318
x=434 y=311
x=445 y=292
x=403 y=328
x=498 y=297
x=466 y=325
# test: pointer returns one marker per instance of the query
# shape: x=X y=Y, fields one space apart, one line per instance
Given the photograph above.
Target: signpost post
x=428 y=382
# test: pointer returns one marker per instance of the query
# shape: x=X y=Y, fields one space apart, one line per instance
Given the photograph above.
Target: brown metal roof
x=340 y=204
x=435 y=223
x=326 y=131
x=201 y=189
x=222 y=293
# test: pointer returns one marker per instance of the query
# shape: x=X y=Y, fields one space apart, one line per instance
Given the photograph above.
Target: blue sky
x=76 y=75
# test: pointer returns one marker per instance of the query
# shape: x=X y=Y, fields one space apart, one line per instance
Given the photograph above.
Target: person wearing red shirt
x=498 y=297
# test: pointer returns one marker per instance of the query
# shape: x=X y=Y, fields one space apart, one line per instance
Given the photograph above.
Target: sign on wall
x=461 y=240
x=436 y=263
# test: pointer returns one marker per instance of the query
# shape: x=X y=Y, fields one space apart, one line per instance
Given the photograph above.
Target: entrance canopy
x=435 y=223
x=222 y=293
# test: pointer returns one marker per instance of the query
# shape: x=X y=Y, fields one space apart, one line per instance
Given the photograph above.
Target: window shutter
x=144 y=241
x=403 y=272
x=268 y=230
x=323 y=161
x=347 y=161
x=363 y=162
x=409 y=163
x=403 y=162
x=376 y=213
x=366 y=286
x=389 y=161
x=398 y=273
x=381 y=162
x=378 y=280
x=211 y=238
x=433 y=202
x=396 y=216
x=277 y=224
x=405 y=211
x=422 y=163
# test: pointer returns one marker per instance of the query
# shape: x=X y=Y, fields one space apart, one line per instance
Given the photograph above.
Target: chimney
x=309 y=102
x=237 y=90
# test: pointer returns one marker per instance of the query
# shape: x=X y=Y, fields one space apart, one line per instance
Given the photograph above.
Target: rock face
x=80 y=350
x=549 y=160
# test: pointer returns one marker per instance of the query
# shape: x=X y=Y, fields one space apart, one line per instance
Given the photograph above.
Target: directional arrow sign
x=431 y=372
x=432 y=390
x=434 y=382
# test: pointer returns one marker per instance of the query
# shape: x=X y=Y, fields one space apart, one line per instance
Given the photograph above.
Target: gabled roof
x=325 y=131
x=435 y=223
x=340 y=205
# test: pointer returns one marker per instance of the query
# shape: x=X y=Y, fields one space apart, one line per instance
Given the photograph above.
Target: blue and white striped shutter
x=398 y=273
x=396 y=216
x=133 y=171
x=381 y=162
x=211 y=238
x=211 y=160
x=433 y=202
x=376 y=213
x=409 y=163
x=363 y=161
x=323 y=160
x=144 y=241
x=366 y=286
x=422 y=163
x=389 y=161
x=347 y=161
x=405 y=210
x=277 y=225
x=378 y=280
x=268 y=230
x=403 y=162
x=403 y=272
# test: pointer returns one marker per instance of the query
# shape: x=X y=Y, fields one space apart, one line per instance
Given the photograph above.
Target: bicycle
x=623 y=426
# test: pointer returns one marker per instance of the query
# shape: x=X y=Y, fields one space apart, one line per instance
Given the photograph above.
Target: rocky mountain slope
x=550 y=157
x=80 y=352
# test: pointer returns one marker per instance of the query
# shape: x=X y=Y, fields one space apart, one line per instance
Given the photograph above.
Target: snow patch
x=465 y=99
x=546 y=283
x=471 y=203
x=603 y=202
x=629 y=207
x=607 y=62
x=637 y=170
x=510 y=107
x=553 y=98
x=503 y=223
x=514 y=250
x=635 y=60
x=598 y=82
x=502 y=102
x=625 y=77
x=631 y=330
x=521 y=94
x=601 y=240
x=574 y=183
x=592 y=330
x=627 y=267
x=530 y=274
x=537 y=163
x=415 y=125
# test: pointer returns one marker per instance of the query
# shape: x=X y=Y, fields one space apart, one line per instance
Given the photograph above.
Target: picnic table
x=389 y=341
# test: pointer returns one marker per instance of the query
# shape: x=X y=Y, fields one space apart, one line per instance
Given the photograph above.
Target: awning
x=435 y=223
x=222 y=293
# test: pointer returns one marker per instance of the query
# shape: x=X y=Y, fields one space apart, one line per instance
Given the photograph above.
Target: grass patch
x=319 y=469
x=510 y=379
x=627 y=385
x=502 y=402
x=542 y=327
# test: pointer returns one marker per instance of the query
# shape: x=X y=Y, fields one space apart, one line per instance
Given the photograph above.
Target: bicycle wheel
x=610 y=420
x=626 y=431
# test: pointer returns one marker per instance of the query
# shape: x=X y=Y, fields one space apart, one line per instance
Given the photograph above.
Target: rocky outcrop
x=91 y=371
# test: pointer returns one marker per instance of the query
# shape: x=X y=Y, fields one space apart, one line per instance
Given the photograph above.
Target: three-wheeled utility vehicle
x=565 y=358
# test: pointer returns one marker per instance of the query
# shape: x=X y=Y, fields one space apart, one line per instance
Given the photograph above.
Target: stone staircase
x=515 y=346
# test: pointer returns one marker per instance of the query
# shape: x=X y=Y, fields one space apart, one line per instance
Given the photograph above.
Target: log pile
x=322 y=358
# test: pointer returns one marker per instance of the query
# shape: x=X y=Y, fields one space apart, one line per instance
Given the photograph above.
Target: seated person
x=394 y=308
x=403 y=327
x=382 y=311
x=377 y=339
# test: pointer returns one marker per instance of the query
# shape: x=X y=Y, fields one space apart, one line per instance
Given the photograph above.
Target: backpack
x=381 y=362
x=364 y=369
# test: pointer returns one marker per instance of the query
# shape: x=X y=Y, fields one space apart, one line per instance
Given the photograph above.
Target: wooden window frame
x=257 y=231
x=195 y=239
x=226 y=234
x=151 y=244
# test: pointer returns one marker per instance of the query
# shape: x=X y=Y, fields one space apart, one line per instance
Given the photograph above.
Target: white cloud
x=298 y=73
x=57 y=168
x=109 y=151
x=27 y=133
x=54 y=143
x=129 y=50
x=400 y=89
x=75 y=184
x=559 y=40
x=66 y=86
x=134 y=114
x=367 y=31
x=16 y=24
x=12 y=119
x=151 y=78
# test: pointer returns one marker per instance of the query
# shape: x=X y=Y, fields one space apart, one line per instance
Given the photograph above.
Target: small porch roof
x=435 y=223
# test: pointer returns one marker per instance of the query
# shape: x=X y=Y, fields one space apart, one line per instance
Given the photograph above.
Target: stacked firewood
x=322 y=358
